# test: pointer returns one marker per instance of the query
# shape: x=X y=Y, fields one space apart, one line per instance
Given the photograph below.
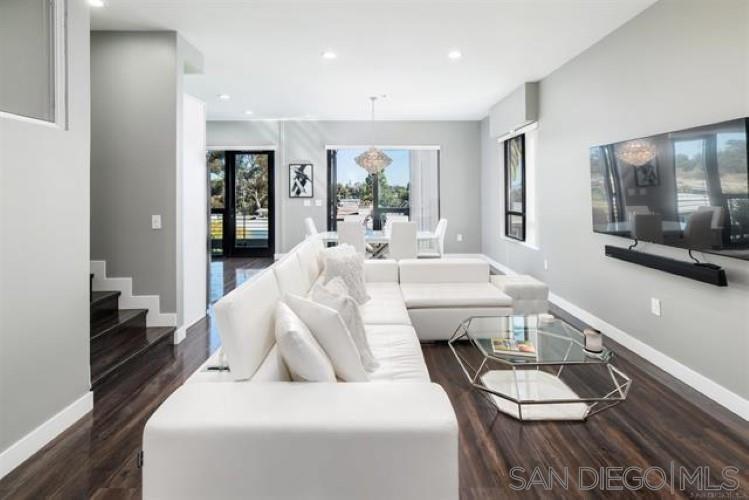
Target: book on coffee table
x=513 y=347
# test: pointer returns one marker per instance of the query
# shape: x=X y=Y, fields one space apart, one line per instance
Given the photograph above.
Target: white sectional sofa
x=244 y=430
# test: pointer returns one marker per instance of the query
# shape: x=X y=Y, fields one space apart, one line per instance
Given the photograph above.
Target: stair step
x=121 y=351
x=123 y=318
x=99 y=297
x=104 y=305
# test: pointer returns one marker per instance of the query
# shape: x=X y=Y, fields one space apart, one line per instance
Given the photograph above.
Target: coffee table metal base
x=533 y=385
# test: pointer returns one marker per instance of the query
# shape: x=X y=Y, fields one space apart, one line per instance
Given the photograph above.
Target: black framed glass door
x=242 y=208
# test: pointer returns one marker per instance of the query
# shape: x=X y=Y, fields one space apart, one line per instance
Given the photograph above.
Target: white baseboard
x=129 y=301
x=181 y=332
x=35 y=440
x=697 y=381
x=463 y=256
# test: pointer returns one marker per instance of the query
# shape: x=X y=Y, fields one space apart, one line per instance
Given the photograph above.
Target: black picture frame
x=301 y=187
x=647 y=175
x=511 y=213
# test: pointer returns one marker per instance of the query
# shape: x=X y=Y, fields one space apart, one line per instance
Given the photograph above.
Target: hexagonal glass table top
x=535 y=367
x=550 y=340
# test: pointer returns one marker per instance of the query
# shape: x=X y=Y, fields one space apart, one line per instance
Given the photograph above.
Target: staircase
x=120 y=340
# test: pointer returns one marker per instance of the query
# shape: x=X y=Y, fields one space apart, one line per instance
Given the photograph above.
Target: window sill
x=520 y=243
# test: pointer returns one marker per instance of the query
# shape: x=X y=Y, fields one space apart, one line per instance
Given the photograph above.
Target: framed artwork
x=300 y=180
x=647 y=175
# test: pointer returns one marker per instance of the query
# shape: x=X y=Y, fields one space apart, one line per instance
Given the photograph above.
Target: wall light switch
x=307 y=203
x=318 y=203
x=155 y=222
x=459 y=237
x=655 y=306
x=546 y=265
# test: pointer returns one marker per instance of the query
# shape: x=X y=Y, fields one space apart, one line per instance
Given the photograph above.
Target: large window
x=409 y=187
x=515 y=203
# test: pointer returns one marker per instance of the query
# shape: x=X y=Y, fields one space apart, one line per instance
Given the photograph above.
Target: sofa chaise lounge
x=244 y=430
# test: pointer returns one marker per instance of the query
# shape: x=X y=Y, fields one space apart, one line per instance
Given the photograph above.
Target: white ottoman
x=529 y=296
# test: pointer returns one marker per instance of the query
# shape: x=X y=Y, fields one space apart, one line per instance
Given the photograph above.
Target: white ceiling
x=266 y=54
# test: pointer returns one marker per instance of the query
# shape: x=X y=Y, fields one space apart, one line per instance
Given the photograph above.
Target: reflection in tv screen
x=688 y=189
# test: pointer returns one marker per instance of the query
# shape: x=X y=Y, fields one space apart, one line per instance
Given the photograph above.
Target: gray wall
x=679 y=64
x=135 y=96
x=44 y=260
x=306 y=141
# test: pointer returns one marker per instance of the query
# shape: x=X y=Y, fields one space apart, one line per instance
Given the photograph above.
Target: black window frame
x=508 y=212
x=378 y=212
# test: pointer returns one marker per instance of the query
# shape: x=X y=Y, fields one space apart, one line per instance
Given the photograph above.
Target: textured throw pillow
x=303 y=356
x=331 y=333
x=335 y=295
x=346 y=262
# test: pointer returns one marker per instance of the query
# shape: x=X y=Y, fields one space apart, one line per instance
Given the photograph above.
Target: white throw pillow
x=331 y=333
x=303 y=356
x=335 y=295
x=346 y=262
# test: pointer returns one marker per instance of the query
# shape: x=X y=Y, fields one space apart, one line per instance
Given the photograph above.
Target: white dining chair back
x=439 y=232
x=390 y=218
x=310 y=227
x=403 y=240
x=352 y=233
x=436 y=247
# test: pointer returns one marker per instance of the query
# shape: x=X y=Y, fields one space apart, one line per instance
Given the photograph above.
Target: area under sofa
x=260 y=435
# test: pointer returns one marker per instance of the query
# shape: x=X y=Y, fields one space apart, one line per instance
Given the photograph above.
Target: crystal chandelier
x=636 y=153
x=373 y=160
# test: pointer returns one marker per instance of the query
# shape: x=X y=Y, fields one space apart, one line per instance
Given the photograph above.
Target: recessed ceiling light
x=454 y=54
x=96 y=3
x=249 y=112
x=224 y=97
x=329 y=54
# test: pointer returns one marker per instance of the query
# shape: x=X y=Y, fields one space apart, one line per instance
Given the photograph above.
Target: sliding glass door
x=242 y=207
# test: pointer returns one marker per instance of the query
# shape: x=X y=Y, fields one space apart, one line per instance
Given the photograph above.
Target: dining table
x=378 y=239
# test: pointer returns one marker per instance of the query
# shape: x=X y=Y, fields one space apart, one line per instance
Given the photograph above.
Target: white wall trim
x=28 y=119
x=129 y=301
x=35 y=440
x=697 y=381
x=179 y=334
x=383 y=146
x=514 y=133
x=269 y=147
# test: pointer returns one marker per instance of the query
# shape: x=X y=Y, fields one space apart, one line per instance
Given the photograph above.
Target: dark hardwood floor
x=662 y=424
x=229 y=273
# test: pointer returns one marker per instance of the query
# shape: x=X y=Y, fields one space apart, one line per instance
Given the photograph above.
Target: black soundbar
x=706 y=273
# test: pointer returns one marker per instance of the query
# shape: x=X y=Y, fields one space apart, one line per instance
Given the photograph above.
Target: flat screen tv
x=687 y=189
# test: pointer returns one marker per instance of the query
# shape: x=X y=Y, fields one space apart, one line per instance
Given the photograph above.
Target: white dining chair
x=403 y=243
x=310 y=227
x=438 y=245
x=390 y=218
x=352 y=233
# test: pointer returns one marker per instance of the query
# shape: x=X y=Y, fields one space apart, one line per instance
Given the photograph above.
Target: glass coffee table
x=536 y=368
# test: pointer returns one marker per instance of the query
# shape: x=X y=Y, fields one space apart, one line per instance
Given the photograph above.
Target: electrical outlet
x=318 y=203
x=546 y=265
x=459 y=237
x=307 y=203
x=655 y=306
x=155 y=222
